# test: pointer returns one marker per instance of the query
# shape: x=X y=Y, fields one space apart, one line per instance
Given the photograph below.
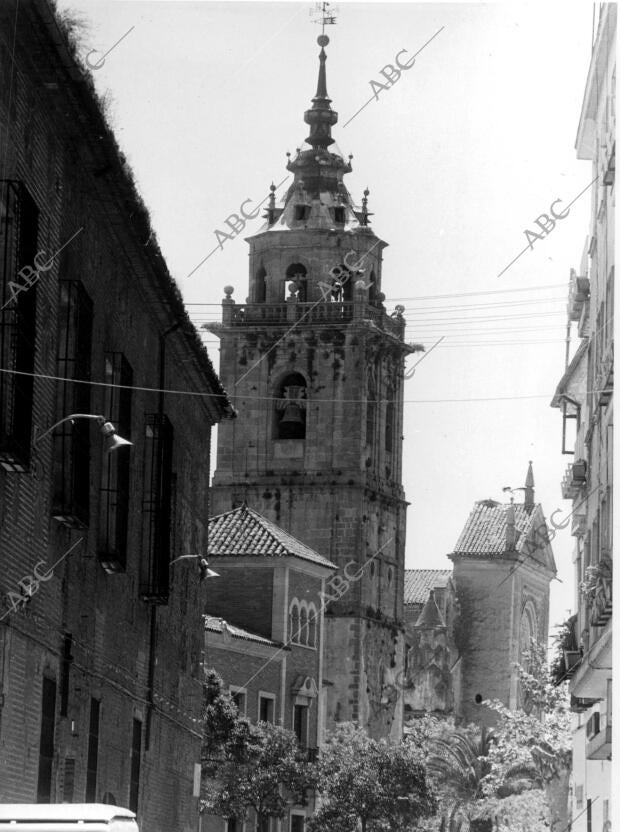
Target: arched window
x=290 y=408
x=260 y=286
x=297 y=274
x=294 y=622
x=372 y=291
x=389 y=421
x=303 y=624
x=371 y=415
x=312 y=625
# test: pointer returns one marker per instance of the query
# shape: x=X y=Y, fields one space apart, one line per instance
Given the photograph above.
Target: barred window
x=115 y=473
x=72 y=440
x=19 y=217
x=157 y=509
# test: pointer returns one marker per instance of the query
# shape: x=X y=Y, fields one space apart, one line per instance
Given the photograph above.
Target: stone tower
x=314 y=365
x=503 y=565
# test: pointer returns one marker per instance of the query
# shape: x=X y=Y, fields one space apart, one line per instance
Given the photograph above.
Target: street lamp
x=203 y=565
x=111 y=438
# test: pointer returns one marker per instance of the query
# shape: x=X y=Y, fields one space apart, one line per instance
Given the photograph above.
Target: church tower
x=314 y=364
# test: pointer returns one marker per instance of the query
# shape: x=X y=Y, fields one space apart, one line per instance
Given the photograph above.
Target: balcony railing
x=604 y=380
x=574 y=479
x=253 y=314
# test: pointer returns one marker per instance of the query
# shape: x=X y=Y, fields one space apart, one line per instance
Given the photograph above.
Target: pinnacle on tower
x=528 y=500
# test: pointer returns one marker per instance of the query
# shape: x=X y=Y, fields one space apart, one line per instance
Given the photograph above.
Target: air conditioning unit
x=593 y=726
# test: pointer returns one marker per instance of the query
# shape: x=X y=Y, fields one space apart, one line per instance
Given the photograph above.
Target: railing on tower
x=252 y=314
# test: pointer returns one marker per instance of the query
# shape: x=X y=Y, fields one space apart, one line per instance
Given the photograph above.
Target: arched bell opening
x=296 y=282
x=290 y=408
x=260 y=286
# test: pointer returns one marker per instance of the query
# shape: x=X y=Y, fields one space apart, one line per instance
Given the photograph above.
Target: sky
x=461 y=154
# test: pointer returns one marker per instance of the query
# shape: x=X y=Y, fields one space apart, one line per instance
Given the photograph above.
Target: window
x=18 y=249
x=157 y=509
x=266 y=707
x=93 y=752
x=135 y=760
x=371 y=414
x=72 y=441
x=389 y=425
x=298 y=823
x=238 y=696
x=312 y=625
x=290 y=408
x=260 y=286
x=302 y=212
x=372 y=289
x=46 y=743
x=300 y=724
x=294 y=621
x=303 y=624
x=115 y=470
x=66 y=660
x=339 y=214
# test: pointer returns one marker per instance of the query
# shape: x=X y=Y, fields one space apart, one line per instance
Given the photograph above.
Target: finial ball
x=322 y=40
x=229 y=290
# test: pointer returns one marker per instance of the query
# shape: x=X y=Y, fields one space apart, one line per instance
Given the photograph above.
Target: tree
x=458 y=763
x=370 y=784
x=247 y=766
x=536 y=741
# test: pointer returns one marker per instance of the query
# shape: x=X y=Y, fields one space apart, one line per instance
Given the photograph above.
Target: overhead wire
x=203 y=394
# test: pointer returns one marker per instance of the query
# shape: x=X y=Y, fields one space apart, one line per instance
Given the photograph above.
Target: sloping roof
x=568 y=373
x=430 y=615
x=218 y=625
x=419 y=582
x=485 y=530
x=244 y=532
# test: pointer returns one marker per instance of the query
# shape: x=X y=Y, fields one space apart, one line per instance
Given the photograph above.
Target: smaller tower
x=503 y=565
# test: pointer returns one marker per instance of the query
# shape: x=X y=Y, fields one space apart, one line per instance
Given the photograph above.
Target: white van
x=66 y=817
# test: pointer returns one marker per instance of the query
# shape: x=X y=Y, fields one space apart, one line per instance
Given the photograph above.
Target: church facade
x=315 y=365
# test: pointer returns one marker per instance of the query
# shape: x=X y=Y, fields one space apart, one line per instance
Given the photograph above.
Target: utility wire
x=202 y=394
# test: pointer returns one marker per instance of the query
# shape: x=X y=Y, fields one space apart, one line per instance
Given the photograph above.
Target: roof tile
x=244 y=532
x=419 y=582
x=485 y=530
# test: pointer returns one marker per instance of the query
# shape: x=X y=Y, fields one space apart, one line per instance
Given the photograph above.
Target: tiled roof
x=419 y=582
x=244 y=532
x=218 y=625
x=485 y=530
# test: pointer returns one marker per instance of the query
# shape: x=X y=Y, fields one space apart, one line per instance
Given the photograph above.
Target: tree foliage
x=536 y=740
x=370 y=784
x=247 y=766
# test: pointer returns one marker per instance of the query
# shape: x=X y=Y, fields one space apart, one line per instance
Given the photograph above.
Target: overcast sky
x=461 y=155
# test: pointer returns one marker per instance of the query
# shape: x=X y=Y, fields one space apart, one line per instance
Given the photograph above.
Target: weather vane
x=325 y=14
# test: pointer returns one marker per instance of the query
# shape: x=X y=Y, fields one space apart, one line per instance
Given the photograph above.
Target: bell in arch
x=293 y=419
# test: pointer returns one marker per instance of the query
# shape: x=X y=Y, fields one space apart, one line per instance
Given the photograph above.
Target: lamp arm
x=68 y=419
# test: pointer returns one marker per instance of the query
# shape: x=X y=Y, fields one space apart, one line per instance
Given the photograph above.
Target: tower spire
x=321 y=117
x=528 y=500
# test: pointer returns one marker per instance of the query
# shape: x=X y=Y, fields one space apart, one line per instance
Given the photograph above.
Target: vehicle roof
x=63 y=811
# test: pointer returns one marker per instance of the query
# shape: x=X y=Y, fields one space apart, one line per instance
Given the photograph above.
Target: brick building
x=585 y=397
x=264 y=632
x=467 y=628
x=316 y=364
x=101 y=634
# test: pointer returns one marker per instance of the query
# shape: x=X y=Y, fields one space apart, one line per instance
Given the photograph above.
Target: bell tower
x=313 y=363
